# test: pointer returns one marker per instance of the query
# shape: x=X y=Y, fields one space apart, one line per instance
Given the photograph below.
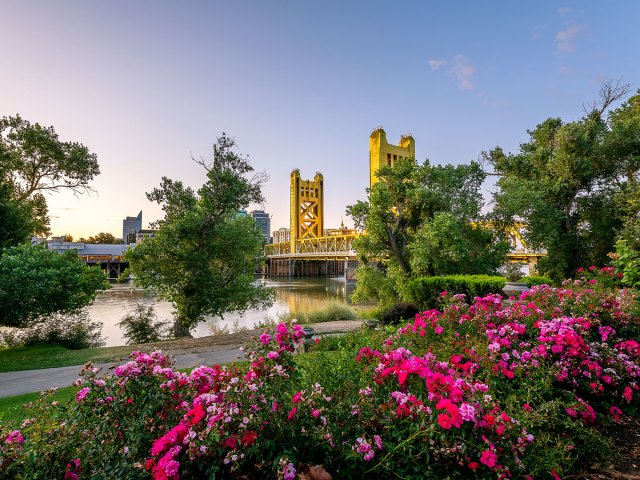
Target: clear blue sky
x=299 y=84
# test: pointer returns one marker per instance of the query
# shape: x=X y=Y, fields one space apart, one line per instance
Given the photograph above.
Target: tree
x=33 y=161
x=204 y=254
x=421 y=220
x=36 y=282
x=101 y=238
x=16 y=221
x=567 y=183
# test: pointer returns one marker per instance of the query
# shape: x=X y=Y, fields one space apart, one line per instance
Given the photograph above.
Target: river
x=294 y=295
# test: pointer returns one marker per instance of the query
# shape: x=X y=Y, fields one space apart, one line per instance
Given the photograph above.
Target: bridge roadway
x=333 y=255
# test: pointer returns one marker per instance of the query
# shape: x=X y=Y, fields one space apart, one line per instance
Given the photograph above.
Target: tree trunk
x=180 y=329
x=396 y=252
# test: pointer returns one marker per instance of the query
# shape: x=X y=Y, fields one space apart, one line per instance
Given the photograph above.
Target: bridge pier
x=350 y=271
x=298 y=268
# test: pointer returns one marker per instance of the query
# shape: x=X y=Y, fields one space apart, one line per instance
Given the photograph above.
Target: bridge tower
x=382 y=153
x=307 y=208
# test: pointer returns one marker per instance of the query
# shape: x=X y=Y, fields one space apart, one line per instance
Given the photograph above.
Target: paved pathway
x=16 y=383
x=26 y=381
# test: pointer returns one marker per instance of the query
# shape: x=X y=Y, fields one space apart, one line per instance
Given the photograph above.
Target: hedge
x=536 y=280
x=425 y=291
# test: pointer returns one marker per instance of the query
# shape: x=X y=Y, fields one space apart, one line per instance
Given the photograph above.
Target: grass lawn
x=49 y=356
x=46 y=356
x=11 y=407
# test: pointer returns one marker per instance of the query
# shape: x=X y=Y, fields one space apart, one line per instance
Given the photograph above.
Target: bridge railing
x=342 y=245
x=332 y=245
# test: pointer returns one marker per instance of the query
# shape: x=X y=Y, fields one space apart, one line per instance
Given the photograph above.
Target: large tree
x=36 y=283
x=574 y=183
x=204 y=254
x=34 y=161
x=421 y=219
x=17 y=223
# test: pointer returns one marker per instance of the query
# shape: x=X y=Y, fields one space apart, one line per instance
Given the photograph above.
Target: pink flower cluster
x=227 y=406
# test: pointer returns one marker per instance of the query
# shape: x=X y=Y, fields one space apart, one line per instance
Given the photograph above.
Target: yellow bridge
x=331 y=247
x=311 y=250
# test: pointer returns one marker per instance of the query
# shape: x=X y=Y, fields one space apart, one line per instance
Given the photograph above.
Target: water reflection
x=294 y=295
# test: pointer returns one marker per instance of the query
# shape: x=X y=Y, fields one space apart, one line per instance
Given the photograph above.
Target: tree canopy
x=34 y=161
x=422 y=220
x=36 y=282
x=575 y=183
x=204 y=254
x=101 y=238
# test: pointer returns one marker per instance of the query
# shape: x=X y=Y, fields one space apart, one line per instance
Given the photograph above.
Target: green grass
x=331 y=312
x=11 y=407
x=47 y=356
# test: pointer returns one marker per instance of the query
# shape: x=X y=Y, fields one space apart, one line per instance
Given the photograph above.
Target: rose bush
x=482 y=389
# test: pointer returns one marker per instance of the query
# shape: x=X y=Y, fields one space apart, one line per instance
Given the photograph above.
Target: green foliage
x=143 y=326
x=101 y=238
x=626 y=261
x=36 y=282
x=399 y=313
x=203 y=256
x=330 y=312
x=16 y=219
x=17 y=408
x=33 y=161
x=575 y=184
x=453 y=246
x=73 y=330
x=532 y=280
x=426 y=291
x=352 y=342
x=421 y=220
x=513 y=272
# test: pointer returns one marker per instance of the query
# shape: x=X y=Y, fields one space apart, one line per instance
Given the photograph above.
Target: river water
x=294 y=295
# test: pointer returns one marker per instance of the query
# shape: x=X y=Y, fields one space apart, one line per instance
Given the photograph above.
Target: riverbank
x=300 y=295
x=44 y=357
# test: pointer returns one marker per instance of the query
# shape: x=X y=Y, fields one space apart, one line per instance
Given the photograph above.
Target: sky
x=149 y=85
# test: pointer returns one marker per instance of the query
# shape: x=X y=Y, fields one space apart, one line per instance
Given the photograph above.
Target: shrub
x=532 y=280
x=513 y=271
x=426 y=291
x=142 y=325
x=626 y=261
x=332 y=311
x=398 y=313
x=74 y=330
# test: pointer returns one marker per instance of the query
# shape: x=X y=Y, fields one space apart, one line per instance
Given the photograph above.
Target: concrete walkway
x=27 y=381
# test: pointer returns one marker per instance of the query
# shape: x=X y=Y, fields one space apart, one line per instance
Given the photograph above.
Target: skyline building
x=131 y=226
x=264 y=223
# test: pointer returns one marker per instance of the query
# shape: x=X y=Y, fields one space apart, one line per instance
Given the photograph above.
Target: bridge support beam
x=297 y=268
x=350 y=271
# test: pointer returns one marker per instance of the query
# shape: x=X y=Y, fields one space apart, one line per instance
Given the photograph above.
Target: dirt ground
x=626 y=464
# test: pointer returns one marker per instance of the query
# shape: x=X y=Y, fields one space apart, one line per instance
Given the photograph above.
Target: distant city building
x=108 y=257
x=142 y=234
x=131 y=226
x=281 y=235
x=242 y=213
x=264 y=223
x=331 y=232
